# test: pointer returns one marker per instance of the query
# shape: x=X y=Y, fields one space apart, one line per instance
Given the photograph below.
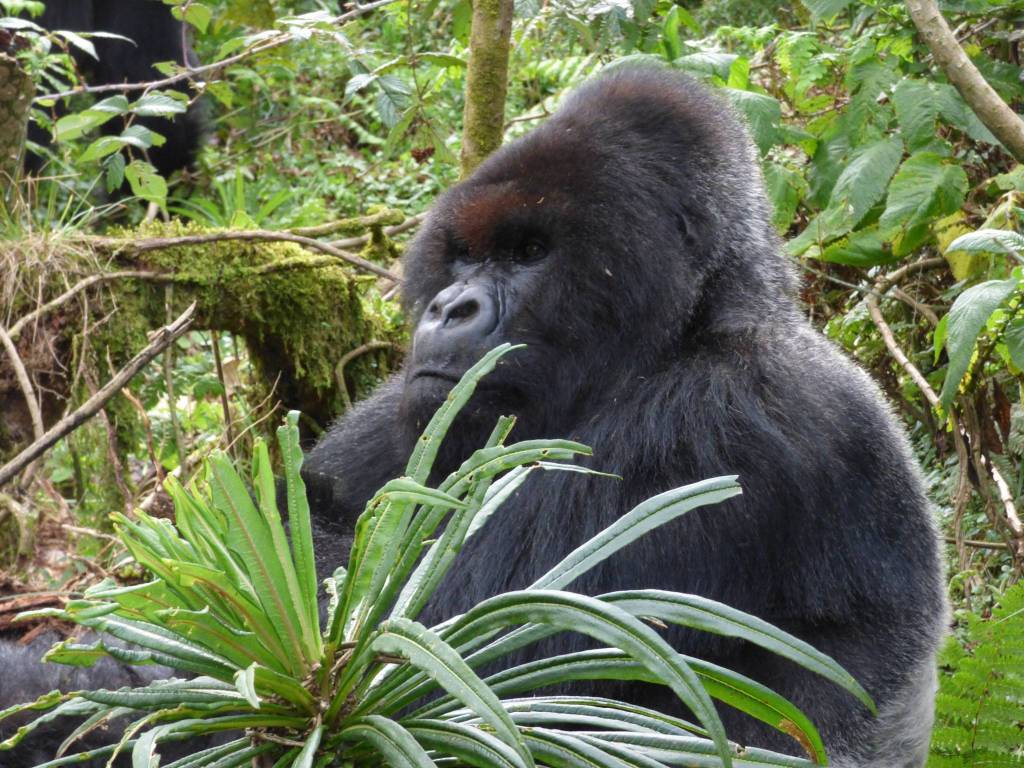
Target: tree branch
x=162 y=339
x=24 y=382
x=995 y=113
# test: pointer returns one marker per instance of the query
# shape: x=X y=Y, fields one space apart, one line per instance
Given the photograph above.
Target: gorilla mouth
x=436 y=373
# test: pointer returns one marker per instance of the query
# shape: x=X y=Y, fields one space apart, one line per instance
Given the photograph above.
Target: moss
x=297 y=322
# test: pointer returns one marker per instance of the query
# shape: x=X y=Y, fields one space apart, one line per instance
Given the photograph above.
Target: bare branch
x=191 y=73
x=24 y=382
x=162 y=339
x=979 y=95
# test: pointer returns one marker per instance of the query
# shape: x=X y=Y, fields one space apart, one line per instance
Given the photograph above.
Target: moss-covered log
x=299 y=313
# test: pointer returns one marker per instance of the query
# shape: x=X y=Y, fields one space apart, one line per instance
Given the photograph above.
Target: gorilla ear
x=684 y=225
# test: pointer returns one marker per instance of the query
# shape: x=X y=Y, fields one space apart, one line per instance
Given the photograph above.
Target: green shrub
x=234 y=603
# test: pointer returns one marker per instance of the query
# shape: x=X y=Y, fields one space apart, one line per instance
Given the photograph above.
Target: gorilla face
x=590 y=240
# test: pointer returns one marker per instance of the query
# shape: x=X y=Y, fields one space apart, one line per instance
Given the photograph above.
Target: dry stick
x=348 y=357
x=163 y=338
x=282 y=38
x=225 y=406
x=76 y=289
x=158 y=243
x=979 y=95
x=976 y=543
x=358 y=242
x=25 y=383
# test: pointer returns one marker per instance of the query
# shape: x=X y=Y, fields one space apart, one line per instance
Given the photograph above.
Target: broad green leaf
x=158 y=104
x=924 y=189
x=785 y=188
x=862 y=184
x=78 y=42
x=916 y=111
x=825 y=9
x=762 y=112
x=428 y=652
x=1013 y=336
x=999 y=241
x=863 y=248
x=145 y=182
x=967 y=317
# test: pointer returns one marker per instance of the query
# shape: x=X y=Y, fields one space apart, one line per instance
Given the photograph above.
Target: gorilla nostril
x=463 y=310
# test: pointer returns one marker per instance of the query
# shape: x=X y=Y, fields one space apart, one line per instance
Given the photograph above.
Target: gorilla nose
x=461 y=313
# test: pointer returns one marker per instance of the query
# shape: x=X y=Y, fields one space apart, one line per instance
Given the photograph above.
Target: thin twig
x=78 y=288
x=283 y=38
x=162 y=339
x=224 y=404
x=976 y=543
x=348 y=357
x=358 y=242
x=24 y=382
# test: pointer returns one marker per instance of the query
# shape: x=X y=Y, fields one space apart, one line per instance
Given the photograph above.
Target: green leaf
x=298 y=517
x=916 y=111
x=158 y=104
x=146 y=182
x=863 y=248
x=717 y=618
x=785 y=188
x=428 y=652
x=606 y=623
x=245 y=682
x=642 y=519
x=399 y=748
x=862 y=184
x=470 y=744
x=78 y=42
x=307 y=756
x=924 y=189
x=250 y=537
x=967 y=317
x=825 y=9
x=423 y=455
x=998 y=241
x=763 y=114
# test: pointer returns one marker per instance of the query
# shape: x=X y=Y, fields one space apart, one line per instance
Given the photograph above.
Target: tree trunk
x=486 y=81
x=997 y=116
x=16 y=92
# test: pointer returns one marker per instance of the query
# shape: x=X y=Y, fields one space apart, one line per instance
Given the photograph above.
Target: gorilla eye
x=532 y=250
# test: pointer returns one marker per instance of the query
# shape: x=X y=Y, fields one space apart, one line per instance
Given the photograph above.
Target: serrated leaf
x=916 y=111
x=925 y=189
x=762 y=112
x=967 y=317
x=158 y=104
x=998 y=241
x=145 y=182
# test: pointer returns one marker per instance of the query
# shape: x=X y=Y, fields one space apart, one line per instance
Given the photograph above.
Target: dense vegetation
x=901 y=210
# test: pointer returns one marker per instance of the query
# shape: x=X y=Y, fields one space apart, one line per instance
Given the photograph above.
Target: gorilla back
x=627 y=242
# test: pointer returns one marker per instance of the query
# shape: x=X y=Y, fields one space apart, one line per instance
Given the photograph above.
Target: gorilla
x=627 y=242
x=154 y=35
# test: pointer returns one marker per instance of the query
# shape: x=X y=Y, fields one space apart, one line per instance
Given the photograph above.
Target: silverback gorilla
x=627 y=242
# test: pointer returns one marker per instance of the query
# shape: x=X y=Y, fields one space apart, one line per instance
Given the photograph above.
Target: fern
x=980 y=707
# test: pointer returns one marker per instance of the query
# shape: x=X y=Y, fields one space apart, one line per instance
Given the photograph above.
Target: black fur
x=663 y=331
x=156 y=37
